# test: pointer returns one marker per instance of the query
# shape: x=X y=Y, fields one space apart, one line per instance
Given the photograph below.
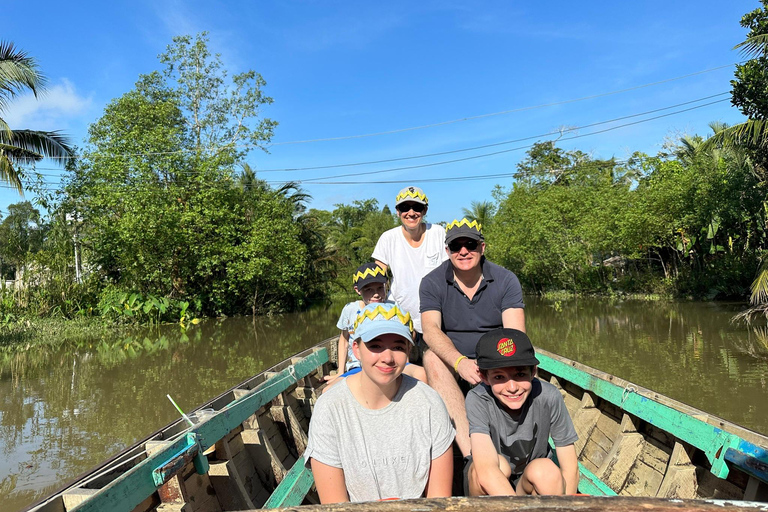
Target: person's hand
x=331 y=378
x=469 y=371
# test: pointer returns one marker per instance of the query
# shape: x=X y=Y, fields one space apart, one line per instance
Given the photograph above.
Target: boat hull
x=633 y=443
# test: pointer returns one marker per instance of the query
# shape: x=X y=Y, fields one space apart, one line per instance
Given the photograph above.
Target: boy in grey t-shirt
x=379 y=434
x=511 y=416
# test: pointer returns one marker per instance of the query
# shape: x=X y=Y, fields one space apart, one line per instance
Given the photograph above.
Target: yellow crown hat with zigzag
x=414 y=194
x=382 y=318
x=463 y=228
x=368 y=273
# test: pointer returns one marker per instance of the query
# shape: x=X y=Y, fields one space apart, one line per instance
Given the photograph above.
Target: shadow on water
x=63 y=411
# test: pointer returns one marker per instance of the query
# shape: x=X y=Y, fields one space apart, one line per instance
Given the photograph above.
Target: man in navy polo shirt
x=461 y=300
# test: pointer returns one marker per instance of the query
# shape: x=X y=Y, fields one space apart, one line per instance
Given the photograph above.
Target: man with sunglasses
x=410 y=250
x=461 y=300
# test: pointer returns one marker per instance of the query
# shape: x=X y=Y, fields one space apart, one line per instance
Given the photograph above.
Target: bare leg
x=417 y=372
x=442 y=380
x=541 y=476
x=475 y=489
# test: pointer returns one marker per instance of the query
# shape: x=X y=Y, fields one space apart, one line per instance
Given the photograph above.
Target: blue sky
x=340 y=69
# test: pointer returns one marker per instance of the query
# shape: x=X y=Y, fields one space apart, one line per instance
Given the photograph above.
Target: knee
x=545 y=477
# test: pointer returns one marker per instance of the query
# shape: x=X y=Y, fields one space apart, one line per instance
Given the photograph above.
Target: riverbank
x=26 y=333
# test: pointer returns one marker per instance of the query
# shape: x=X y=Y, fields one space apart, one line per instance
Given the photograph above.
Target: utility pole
x=74 y=220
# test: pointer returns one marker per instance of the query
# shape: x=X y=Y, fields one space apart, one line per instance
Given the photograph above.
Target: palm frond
x=9 y=174
x=18 y=71
x=759 y=286
x=48 y=144
x=751 y=133
x=20 y=155
x=753 y=46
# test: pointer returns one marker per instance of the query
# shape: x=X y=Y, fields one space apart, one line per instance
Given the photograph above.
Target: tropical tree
x=749 y=95
x=19 y=72
x=481 y=211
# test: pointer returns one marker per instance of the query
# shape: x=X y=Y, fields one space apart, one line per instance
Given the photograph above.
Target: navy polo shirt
x=464 y=320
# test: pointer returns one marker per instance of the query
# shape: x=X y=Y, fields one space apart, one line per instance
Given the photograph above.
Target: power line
x=474 y=148
x=400 y=130
x=503 y=112
x=474 y=157
x=318 y=181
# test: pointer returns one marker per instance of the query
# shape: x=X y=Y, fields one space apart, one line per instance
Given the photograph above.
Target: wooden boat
x=247 y=455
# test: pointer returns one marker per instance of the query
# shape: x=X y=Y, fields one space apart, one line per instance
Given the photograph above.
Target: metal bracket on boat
x=627 y=390
x=192 y=452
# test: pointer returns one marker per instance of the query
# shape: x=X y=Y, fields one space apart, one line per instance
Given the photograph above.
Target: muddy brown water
x=64 y=411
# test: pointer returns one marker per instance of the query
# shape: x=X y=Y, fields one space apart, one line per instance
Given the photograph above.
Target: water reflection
x=688 y=351
x=64 y=411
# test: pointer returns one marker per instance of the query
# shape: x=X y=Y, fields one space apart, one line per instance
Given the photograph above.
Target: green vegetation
x=160 y=219
x=19 y=73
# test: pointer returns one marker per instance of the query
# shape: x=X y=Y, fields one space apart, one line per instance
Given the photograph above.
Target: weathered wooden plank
x=293 y=488
x=130 y=489
x=540 y=504
x=712 y=441
x=228 y=490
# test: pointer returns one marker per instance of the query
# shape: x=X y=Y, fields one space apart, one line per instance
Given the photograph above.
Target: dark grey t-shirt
x=464 y=320
x=523 y=436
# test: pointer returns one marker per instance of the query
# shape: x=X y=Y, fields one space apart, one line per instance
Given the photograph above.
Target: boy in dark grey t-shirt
x=511 y=417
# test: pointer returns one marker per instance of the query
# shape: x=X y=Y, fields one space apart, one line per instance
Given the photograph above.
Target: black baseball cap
x=503 y=347
x=368 y=273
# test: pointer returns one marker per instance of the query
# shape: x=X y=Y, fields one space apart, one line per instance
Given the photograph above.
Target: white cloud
x=52 y=110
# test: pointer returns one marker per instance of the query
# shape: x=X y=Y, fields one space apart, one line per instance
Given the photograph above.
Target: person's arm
x=381 y=264
x=331 y=487
x=343 y=349
x=569 y=467
x=440 y=480
x=443 y=347
x=486 y=462
x=513 y=318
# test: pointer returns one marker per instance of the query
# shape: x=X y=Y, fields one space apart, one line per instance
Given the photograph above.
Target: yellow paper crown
x=387 y=314
x=464 y=222
x=372 y=272
x=413 y=194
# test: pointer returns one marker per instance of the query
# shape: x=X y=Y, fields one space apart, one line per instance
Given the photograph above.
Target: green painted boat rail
x=718 y=445
x=130 y=489
x=295 y=485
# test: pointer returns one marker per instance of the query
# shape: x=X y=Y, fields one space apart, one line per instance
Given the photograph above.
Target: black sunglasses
x=456 y=245
x=405 y=207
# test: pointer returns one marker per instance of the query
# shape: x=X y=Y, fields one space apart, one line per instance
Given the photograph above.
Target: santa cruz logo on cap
x=506 y=347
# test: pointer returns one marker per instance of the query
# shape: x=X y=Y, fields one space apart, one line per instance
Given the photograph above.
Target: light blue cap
x=383 y=318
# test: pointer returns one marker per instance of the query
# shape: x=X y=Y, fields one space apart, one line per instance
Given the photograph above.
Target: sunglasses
x=456 y=245
x=405 y=207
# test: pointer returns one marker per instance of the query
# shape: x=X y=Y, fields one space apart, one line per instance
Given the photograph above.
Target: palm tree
x=481 y=211
x=753 y=133
x=18 y=73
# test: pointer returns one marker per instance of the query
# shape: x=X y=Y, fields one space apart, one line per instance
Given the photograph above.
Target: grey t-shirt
x=385 y=453
x=521 y=436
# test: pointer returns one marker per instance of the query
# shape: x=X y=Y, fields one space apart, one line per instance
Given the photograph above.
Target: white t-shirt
x=410 y=264
x=384 y=453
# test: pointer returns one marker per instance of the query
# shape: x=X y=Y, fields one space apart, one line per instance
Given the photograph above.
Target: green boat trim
x=269 y=413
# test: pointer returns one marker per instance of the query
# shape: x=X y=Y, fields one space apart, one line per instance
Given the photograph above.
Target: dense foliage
x=687 y=222
x=161 y=219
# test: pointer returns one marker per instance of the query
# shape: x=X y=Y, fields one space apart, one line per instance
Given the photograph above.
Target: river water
x=64 y=411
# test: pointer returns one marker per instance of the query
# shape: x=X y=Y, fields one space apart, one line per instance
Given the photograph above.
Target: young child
x=379 y=434
x=511 y=416
x=370 y=282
